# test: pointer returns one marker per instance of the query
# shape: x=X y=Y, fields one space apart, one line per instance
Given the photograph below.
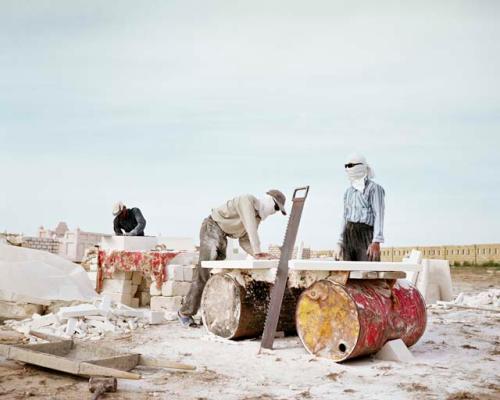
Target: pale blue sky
x=175 y=107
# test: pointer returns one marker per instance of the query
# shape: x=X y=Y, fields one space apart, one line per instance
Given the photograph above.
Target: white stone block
x=155 y=317
x=131 y=313
x=71 y=326
x=154 y=291
x=175 y=288
x=177 y=243
x=117 y=286
x=395 y=350
x=161 y=303
x=123 y=298
x=128 y=243
x=137 y=278
x=187 y=273
x=46 y=320
x=175 y=272
x=81 y=310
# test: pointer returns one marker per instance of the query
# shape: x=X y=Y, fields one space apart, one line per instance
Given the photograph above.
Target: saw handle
x=306 y=188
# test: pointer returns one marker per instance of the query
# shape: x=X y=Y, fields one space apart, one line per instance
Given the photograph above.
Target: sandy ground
x=457 y=358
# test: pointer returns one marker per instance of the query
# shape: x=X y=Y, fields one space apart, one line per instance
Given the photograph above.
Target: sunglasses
x=350 y=165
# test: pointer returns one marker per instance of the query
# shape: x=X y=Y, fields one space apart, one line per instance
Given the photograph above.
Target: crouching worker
x=128 y=221
x=238 y=218
x=362 y=228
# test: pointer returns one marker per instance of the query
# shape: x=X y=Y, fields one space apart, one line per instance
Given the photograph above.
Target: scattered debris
x=87 y=321
x=488 y=300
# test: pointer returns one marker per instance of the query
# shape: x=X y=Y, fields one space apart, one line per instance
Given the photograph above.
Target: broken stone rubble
x=88 y=321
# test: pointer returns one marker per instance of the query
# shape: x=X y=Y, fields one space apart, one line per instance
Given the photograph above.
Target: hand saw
x=278 y=290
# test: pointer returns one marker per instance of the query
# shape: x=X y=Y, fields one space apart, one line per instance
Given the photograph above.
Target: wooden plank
x=88 y=369
x=332 y=265
x=62 y=364
x=164 y=363
x=60 y=348
x=44 y=360
x=241 y=264
x=124 y=362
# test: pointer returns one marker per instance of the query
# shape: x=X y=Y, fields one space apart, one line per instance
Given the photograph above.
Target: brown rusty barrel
x=233 y=311
x=341 y=322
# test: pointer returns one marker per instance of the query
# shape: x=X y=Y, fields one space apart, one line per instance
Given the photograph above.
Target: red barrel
x=341 y=322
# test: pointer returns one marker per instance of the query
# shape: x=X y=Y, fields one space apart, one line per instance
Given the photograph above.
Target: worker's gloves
x=373 y=252
x=339 y=254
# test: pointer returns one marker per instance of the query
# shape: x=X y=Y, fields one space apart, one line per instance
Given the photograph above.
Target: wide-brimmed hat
x=279 y=198
x=117 y=208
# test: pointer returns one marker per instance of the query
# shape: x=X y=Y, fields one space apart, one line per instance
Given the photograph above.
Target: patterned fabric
x=151 y=263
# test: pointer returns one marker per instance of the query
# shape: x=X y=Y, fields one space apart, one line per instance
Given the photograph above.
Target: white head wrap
x=358 y=173
x=266 y=207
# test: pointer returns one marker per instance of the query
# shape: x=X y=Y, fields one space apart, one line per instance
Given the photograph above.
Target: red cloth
x=151 y=263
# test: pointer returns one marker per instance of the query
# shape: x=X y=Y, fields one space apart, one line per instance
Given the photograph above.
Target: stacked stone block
x=171 y=295
x=123 y=287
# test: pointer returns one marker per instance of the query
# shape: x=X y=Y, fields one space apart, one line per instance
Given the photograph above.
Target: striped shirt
x=367 y=207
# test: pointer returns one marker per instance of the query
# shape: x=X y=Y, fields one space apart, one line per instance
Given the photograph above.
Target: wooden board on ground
x=332 y=265
x=85 y=359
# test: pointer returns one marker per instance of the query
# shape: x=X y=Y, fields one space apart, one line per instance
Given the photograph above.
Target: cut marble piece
x=332 y=265
x=241 y=264
x=395 y=350
x=175 y=288
x=129 y=243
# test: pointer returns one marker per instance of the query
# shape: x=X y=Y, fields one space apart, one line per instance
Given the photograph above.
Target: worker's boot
x=186 y=321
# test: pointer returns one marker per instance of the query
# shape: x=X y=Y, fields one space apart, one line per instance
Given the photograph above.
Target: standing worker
x=362 y=228
x=238 y=218
x=128 y=221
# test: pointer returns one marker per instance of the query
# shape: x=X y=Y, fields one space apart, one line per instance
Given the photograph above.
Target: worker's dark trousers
x=356 y=239
x=213 y=244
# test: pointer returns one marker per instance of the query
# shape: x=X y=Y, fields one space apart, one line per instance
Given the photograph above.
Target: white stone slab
x=175 y=288
x=81 y=310
x=175 y=272
x=129 y=243
x=177 y=243
x=332 y=265
x=395 y=350
x=241 y=264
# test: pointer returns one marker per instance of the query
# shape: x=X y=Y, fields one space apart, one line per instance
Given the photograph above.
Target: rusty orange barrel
x=345 y=321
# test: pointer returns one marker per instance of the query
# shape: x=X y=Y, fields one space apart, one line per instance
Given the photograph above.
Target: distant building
x=71 y=244
x=471 y=254
x=275 y=250
x=474 y=254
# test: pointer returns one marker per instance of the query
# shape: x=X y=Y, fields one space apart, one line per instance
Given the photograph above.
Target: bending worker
x=362 y=228
x=238 y=218
x=128 y=221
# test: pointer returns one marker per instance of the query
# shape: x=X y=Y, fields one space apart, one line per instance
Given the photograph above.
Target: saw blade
x=278 y=290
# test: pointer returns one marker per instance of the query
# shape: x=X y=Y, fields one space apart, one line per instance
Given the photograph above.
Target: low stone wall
x=46 y=244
